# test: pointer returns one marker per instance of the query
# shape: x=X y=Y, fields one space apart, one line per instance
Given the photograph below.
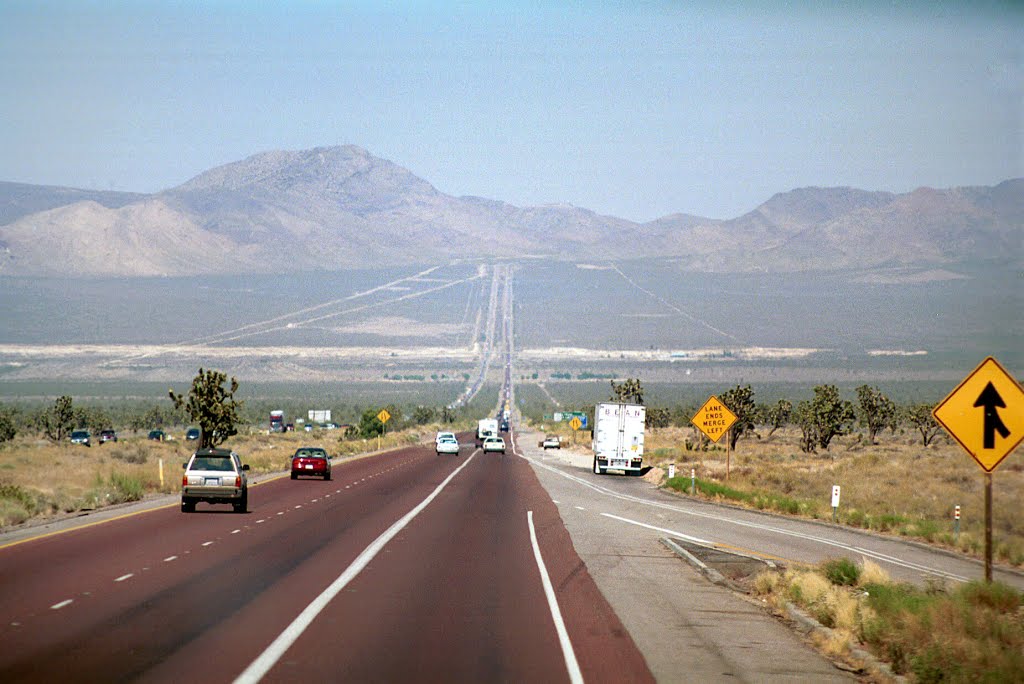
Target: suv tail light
x=184 y=480
x=238 y=480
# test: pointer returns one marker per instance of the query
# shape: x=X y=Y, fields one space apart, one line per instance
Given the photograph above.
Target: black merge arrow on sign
x=990 y=400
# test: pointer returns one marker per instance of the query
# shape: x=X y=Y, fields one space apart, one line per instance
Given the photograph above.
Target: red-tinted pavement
x=455 y=596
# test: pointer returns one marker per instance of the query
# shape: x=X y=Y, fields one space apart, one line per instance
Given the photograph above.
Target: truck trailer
x=487 y=427
x=619 y=438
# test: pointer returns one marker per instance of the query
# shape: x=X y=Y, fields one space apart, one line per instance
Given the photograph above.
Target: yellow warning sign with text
x=714 y=419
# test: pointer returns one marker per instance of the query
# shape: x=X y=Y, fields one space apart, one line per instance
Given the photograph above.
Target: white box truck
x=619 y=438
x=487 y=427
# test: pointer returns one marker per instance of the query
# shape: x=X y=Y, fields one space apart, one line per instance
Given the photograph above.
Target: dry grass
x=895 y=486
x=971 y=632
x=39 y=479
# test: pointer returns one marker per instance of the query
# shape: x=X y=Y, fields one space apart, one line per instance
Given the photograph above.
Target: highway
x=406 y=566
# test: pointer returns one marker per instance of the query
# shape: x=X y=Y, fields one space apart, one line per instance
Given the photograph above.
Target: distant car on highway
x=552 y=442
x=157 y=435
x=496 y=444
x=192 y=434
x=311 y=461
x=447 y=445
x=107 y=436
x=215 y=476
x=81 y=437
x=444 y=435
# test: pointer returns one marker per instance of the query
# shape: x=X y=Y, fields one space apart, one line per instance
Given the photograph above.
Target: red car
x=311 y=461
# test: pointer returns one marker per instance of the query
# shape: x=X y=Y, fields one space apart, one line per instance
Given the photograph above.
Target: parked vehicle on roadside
x=215 y=476
x=311 y=461
x=552 y=442
x=107 y=436
x=158 y=435
x=81 y=437
x=192 y=434
x=619 y=438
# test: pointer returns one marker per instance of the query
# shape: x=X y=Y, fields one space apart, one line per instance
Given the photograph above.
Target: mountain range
x=335 y=208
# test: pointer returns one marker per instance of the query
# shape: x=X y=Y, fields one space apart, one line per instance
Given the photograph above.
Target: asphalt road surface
x=406 y=567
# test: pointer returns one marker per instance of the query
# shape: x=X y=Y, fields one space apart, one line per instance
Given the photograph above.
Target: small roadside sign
x=383 y=416
x=575 y=423
x=713 y=419
x=835 y=496
x=985 y=414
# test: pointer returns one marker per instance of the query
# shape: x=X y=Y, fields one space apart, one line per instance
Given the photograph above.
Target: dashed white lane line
x=280 y=512
x=58 y=606
x=122 y=578
x=170 y=558
x=207 y=543
x=235 y=531
x=261 y=520
x=579 y=508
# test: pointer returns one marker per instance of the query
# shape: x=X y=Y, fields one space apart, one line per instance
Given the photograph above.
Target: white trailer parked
x=619 y=438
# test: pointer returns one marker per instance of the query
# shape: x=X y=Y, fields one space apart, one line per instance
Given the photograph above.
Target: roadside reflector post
x=693 y=481
x=956 y=523
x=161 y=464
x=671 y=470
x=835 y=503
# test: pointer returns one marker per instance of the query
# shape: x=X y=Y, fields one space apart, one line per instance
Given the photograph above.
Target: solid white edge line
x=259 y=667
x=575 y=675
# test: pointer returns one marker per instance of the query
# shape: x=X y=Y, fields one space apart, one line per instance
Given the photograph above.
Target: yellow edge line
x=751 y=552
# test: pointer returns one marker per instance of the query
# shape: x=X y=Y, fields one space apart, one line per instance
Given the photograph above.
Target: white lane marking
x=58 y=606
x=207 y=543
x=575 y=675
x=259 y=667
x=579 y=508
x=170 y=558
x=299 y=506
x=280 y=512
x=660 y=529
x=261 y=520
x=122 y=578
x=877 y=555
x=235 y=531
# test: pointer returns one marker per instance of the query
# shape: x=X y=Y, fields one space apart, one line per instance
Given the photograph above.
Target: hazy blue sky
x=635 y=109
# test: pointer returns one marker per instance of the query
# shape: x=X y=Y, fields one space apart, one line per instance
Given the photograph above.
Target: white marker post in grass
x=835 y=502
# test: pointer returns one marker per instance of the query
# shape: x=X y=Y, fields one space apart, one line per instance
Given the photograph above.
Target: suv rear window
x=212 y=463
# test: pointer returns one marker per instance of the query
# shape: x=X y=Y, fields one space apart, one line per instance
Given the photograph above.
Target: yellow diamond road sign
x=575 y=423
x=714 y=419
x=985 y=414
x=383 y=416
